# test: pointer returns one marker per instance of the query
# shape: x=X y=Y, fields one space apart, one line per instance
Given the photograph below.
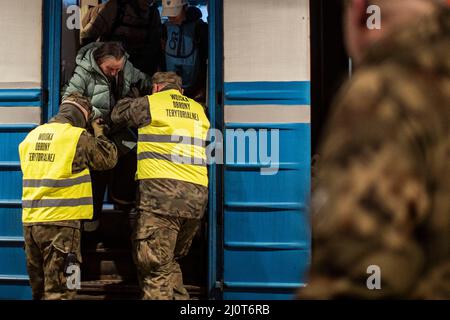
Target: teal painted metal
x=52 y=56
x=266 y=229
x=215 y=117
x=20 y=97
x=13 y=274
x=266 y=92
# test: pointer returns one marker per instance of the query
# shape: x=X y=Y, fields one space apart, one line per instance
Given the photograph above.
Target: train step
x=106 y=263
x=120 y=290
x=108 y=271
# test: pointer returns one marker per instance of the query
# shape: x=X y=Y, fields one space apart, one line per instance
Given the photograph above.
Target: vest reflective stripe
x=177 y=150
x=172 y=158
x=51 y=192
x=56 y=203
x=172 y=139
x=173 y=145
x=30 y=183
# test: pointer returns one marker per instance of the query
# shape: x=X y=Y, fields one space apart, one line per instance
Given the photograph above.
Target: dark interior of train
x=329 y=62
x=108 y=271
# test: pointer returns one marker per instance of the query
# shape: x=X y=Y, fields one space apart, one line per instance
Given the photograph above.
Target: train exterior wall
x=267 y=92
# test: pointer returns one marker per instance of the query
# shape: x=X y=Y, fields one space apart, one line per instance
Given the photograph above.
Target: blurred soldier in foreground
x=381 y=209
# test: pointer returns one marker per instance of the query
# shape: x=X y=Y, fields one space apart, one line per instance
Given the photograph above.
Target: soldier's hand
x=134 y=93
x=98 y=127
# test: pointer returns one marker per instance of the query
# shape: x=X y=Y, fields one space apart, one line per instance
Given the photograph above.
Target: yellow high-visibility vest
x=173 y=145
x=51 y=192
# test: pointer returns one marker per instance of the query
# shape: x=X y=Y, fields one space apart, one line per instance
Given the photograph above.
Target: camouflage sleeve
x=96 y=153
x=131 y=112
x=370 y=196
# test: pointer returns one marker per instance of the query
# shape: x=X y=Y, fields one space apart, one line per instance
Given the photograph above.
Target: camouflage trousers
x=155 y=252
x=46 y=249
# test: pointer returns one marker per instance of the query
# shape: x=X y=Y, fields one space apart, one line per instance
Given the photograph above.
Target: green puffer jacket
x=89 y=80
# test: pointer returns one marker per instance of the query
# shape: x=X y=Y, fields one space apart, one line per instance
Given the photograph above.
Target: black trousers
x=119 y=182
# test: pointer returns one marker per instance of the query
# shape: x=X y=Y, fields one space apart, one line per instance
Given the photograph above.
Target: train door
x=266 y=236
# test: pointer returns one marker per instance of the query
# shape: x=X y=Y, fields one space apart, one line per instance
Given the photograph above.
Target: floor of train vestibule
x=108 y=271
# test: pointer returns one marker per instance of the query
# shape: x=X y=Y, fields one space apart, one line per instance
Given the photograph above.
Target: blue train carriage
x=257 y=230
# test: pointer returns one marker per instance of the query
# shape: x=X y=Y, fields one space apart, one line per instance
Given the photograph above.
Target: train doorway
x=108 y=271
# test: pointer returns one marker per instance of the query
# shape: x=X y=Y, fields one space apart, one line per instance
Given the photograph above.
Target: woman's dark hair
x=109 y=50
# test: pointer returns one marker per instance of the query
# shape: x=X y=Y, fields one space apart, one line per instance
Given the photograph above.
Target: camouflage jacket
x=382 y=200
x=160 y=196
x=95 y=153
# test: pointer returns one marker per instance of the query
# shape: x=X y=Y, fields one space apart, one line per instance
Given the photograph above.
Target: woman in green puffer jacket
x=105 y=75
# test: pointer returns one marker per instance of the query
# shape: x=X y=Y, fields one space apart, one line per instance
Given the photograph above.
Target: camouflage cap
x=167 y=77
x=81 y=102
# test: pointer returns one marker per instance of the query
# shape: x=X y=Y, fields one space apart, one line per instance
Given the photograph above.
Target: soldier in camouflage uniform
x=48 y=244
x=169 y=210
x=382 y=197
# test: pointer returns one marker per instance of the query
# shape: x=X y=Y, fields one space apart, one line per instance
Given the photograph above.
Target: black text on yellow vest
x=173 y=145
x=51 y=192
